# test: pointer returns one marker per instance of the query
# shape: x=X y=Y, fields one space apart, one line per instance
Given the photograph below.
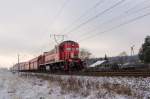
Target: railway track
x=118 y=73
x=96 y=73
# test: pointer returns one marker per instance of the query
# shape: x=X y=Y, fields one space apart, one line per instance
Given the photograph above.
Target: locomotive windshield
x=72 y=49
x=68 y=49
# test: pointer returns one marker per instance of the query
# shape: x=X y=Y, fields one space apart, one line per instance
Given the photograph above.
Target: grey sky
x=26 y=25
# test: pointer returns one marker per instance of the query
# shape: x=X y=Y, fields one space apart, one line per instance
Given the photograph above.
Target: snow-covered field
x=13 y=86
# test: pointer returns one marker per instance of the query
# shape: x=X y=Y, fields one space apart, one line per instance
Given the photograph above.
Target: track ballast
x=95 y=73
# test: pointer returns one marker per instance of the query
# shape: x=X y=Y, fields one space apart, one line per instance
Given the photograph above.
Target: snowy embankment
x=13 y=86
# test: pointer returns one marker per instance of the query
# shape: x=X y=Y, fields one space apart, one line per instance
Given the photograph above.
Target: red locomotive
x=64 y=57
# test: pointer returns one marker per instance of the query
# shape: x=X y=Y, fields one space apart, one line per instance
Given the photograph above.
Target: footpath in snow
x=13 y=86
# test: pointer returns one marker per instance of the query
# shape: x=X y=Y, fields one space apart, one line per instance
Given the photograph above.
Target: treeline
x=144 y=53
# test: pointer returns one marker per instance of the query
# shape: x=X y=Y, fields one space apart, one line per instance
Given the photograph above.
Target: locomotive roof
x=69 y=41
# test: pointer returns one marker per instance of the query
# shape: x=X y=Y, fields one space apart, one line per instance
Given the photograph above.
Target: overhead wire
x=84 y=14
x=115 y=27
x=117 y=18
x=96 y=16
x=60 y=11
x=139 y=3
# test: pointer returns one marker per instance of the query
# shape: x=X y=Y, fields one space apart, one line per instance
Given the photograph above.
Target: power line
x=96 y=16
x=18 y=56
x=60 y=11
x=116 y=18
x=138 y=9
x=115 y=27
x=84 y=14
x=137 y=5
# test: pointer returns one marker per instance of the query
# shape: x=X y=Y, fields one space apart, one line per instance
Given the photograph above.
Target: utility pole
x=56 y=36
x=18 y=61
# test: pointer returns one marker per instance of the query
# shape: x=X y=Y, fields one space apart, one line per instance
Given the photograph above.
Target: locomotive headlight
x=70 y=60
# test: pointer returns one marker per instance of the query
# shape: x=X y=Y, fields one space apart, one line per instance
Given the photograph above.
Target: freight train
x=64 y=57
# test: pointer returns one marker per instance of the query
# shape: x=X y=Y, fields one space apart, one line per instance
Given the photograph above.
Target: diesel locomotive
x=64 y=57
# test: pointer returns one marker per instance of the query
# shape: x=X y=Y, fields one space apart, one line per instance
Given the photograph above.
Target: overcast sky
x=26 y=25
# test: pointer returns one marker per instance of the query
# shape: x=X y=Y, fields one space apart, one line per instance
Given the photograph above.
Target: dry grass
x=117 y=88
x=85 y=87
x=70 y=85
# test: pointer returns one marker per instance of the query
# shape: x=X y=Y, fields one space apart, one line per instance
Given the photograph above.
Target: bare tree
x=122 y=57
x=84 y=54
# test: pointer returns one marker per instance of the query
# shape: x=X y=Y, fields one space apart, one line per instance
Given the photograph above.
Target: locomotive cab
x=69 y=52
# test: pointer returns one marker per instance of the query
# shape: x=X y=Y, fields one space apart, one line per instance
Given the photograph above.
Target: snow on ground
x=13 y=86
